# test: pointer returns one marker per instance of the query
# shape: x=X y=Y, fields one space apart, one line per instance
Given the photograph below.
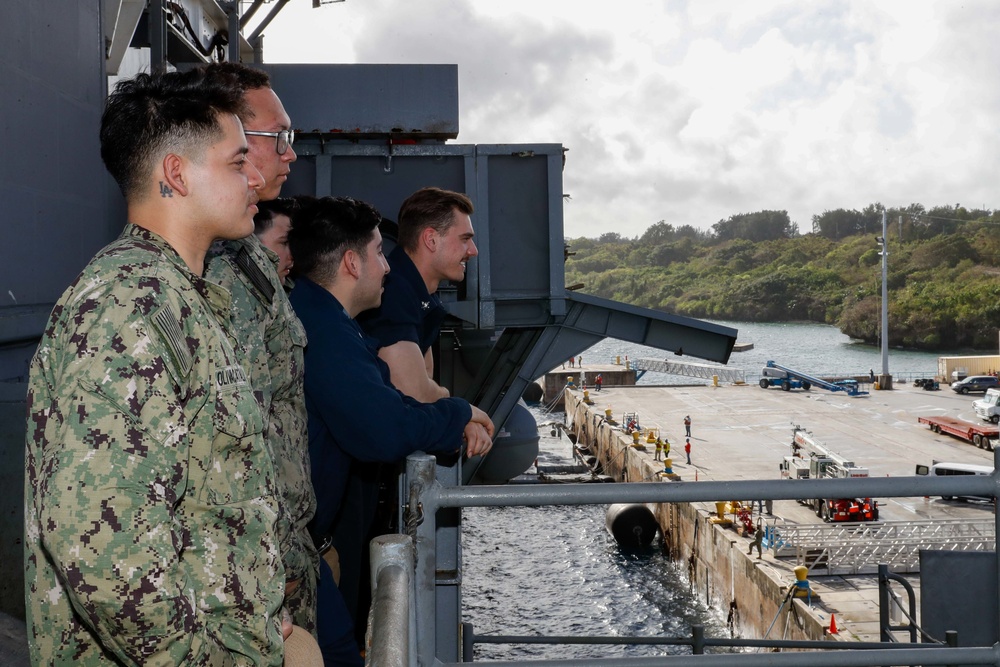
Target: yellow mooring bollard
x=802 y=588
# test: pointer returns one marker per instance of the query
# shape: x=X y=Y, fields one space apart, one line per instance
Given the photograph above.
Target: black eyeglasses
x=282 y=140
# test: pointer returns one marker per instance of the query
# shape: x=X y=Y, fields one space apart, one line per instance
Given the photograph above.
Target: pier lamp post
x=884 y=381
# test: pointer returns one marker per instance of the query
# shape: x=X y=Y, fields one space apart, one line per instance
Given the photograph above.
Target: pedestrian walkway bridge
x=688 y=369
x=858 y=548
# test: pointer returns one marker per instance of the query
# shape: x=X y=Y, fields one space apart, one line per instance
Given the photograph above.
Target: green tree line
x=943 y=272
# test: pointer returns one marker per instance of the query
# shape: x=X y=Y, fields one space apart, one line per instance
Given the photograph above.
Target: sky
x=691 y=111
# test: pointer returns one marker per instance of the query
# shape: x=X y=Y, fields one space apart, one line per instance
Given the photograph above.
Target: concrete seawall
x=717 y=563
x=555 y=380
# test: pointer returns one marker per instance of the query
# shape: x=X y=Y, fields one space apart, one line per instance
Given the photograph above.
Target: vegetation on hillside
x=943 y=272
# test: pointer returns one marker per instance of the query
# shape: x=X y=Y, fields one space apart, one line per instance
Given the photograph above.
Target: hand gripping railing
x=427 y=496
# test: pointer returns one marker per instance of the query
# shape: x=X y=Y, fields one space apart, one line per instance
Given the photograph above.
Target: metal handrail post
x=883 y=603
x=884 y=600
x=393 y=606
x=468 y=642
x=421 y=524
x=698 y=639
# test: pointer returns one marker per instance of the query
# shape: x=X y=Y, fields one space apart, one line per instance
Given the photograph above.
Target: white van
x=947 y=468
x=988 y=407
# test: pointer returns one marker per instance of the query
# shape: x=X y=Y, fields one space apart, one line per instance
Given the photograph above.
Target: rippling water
x=556 y=571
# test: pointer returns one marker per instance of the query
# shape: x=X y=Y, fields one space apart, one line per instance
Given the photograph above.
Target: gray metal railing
x=427 y=496
x=391 y=632
x=698 y=642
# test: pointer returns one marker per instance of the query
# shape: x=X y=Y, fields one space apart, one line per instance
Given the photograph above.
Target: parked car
x=975 y=383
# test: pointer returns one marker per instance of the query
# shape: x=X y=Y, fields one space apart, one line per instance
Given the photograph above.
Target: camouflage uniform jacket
x=270 y=341
x=149 y=508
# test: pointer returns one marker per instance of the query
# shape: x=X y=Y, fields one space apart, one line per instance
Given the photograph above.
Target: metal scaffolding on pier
x=688 y=369
x=856 y=548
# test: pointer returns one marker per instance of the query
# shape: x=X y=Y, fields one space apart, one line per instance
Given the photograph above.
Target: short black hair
x=248 y=78
x=266 y=210
x=324 y=229
x=429 y=207
x=151 y=114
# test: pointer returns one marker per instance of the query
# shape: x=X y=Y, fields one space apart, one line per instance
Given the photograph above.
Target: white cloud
x=691 y=111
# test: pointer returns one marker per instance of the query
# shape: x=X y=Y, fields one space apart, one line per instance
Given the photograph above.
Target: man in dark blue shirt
x=435 y=241
x=354 y=411
x=435 y=244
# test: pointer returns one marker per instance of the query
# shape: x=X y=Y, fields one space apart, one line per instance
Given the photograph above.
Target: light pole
x=884 y=381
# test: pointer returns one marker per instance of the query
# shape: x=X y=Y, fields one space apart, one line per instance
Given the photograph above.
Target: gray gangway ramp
x=857 y=548
x=688 y=369
x=850 y=389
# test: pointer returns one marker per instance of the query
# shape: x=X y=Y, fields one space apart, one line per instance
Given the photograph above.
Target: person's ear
x=173 y=177
x=352 y=263
x=429 y=238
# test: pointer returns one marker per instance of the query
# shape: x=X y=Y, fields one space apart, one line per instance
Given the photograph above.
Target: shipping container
x=965 y=366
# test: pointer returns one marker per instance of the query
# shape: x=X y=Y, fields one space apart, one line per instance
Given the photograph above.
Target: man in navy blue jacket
x=354 y=411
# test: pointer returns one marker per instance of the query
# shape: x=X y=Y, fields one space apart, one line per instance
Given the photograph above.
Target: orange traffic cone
x=833 y=624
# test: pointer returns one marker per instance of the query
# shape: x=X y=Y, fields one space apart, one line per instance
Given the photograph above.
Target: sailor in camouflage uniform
x=149 y=492
x=270 y=339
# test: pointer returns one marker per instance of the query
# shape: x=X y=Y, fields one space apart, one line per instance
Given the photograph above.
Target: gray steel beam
x=831 y=658
x=248 y=14
x=447 y=567
x=266 y=21
x=525 y=353
x=680 y=335
x=232 y=10
x=532 y=495
x=420 y=523
x=157 y=36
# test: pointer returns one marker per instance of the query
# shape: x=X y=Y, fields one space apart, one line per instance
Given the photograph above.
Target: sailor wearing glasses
x=270 y=341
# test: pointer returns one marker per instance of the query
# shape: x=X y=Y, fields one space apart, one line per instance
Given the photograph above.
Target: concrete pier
x=555 y=381
x=743 y=432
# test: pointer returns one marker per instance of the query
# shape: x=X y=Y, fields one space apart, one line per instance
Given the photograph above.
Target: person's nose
x=255 y=179
x=473 y=250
